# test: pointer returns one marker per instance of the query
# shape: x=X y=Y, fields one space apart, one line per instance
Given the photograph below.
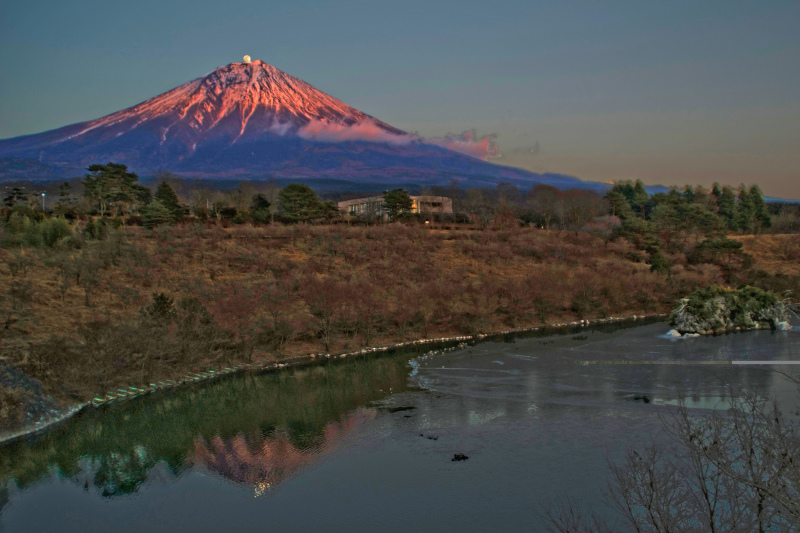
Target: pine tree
x=747 y=214
x=760 y=212
x=111 y=185
x=716 y=192
x=727 y=208
x=618 y=203
x=396 y=202
x=166 y=196
x=15 y=196
x=300 y=203
x=259 y=208
x=640 y=199
x=65 y=197
x=155 y=213
x=689 y=194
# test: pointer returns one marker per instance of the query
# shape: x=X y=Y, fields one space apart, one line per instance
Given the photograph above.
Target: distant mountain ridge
x=253 y=121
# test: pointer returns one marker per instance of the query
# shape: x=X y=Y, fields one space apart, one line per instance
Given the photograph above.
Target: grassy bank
x=90 y=314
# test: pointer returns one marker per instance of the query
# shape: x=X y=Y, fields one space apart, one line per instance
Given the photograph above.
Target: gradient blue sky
x=670 y=92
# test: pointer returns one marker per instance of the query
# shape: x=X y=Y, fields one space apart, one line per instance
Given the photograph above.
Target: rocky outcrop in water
x=720 y=309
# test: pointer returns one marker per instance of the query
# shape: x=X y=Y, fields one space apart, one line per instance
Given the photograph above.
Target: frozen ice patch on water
x=674 y=334
x=478 y=419
x=523 y=357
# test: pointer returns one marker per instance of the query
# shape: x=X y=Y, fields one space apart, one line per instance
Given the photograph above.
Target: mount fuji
x=252 y=121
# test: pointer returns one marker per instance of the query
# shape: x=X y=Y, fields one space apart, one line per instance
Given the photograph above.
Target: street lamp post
x=42 y=202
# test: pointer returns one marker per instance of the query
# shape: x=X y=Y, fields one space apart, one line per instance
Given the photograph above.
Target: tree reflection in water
x=252 y=429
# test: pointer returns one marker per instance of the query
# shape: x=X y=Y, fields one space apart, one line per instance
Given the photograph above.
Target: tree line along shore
x=118 y=285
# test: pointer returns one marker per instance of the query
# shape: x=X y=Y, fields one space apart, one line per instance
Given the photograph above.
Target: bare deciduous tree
x=732 y=470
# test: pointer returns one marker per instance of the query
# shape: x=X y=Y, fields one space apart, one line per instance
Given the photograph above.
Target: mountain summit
x=250 y=120
x=240 y=100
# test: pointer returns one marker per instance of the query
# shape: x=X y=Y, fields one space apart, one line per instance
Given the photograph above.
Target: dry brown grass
x=775 y=254
x=13 y=402
x=381 y=284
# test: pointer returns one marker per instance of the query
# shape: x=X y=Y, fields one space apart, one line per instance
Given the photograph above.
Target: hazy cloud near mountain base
x=468 y=142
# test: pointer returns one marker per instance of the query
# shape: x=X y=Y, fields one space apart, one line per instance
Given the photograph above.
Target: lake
x=368 y=444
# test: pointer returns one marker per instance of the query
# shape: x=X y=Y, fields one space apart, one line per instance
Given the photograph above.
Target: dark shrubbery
x=21 y=230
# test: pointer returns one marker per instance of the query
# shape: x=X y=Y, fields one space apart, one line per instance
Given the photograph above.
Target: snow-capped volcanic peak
x=236 y=101
x=250 y=120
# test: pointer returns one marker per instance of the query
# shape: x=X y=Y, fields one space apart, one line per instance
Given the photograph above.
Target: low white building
x=373 y=205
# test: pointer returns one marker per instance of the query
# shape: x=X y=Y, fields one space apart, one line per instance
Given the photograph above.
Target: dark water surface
x=367 y=444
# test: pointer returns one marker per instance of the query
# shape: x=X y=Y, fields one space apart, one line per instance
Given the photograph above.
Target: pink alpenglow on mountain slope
x=253 y=121
x=244 y=100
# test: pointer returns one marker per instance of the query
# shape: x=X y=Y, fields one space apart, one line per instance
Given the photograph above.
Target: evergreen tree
x=299 y=203
x=65 y=197
x=659 y=263
x=747 y=210
x=674 y=198
x=703 y=197
x=166 y=196
x=111 y=185
x=155 y=213
x=625 y=188
x=636 y=196
x=158 y=315
x=330 y=210
x=259 y=208
x=90 y=230
x=67 y=204
x=142 y=195
x=727 y=208
x=396 y=202
x=640 y=199
x=259 y=202
x=760 y=213
x=15 y=196
x=618 y=204
x=689 y=194
x=716 y=192
x=667 y=222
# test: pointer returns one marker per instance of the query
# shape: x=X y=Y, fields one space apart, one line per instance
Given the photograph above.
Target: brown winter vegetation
x=12 y=406
x=775 y=254
x=143 y=305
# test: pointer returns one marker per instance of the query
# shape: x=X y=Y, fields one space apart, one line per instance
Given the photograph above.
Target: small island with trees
x=716 y=310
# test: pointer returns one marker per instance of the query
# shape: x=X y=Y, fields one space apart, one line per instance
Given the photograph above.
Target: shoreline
x=191 y=378
x=678 y=334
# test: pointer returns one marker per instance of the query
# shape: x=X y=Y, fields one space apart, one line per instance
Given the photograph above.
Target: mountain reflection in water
x=253 y=429
x=265 y=462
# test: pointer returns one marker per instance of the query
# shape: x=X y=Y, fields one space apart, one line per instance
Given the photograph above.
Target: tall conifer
x=166 y=196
